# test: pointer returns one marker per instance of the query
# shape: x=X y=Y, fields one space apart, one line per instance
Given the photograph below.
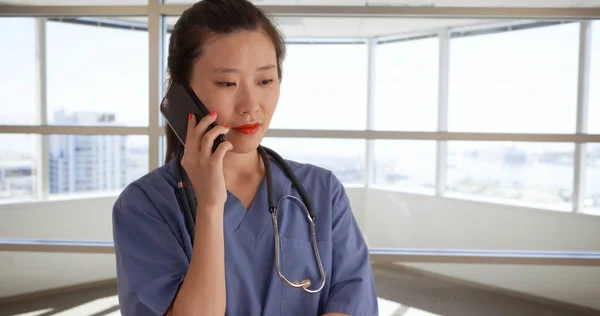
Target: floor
x=401 y=293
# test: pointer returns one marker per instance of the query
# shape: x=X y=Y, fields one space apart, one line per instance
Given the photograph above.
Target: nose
x=247 y=100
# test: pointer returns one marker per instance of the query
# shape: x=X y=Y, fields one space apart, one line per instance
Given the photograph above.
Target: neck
x=242 y=165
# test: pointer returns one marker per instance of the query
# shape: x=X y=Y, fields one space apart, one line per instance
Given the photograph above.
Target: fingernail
x=213 y=113
x=226 y=126
x=190 y=117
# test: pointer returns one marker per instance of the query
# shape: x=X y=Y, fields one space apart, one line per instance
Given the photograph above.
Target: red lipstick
x=248 y=129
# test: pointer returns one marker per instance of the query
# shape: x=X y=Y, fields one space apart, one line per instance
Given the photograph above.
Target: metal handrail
x=379 y=256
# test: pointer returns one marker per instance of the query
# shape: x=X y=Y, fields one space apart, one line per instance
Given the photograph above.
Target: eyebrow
x=233 y=70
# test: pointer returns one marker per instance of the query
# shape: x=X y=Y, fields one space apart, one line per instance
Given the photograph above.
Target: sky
x=520 y=81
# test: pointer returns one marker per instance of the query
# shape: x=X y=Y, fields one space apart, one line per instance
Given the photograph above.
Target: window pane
x=407 y=165
x=324 y=87
x=320 y=81
x=95 y=163
x=344 y=157
x=522 y=81
x=97 y=70
x=592 y=177
x=406 y=85
x=169 y=21
x=162 y=150
x=18 y=90
x=594 y=92
x=536 y=174
x=18 y=171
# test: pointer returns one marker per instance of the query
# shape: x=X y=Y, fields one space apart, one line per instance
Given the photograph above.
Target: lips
x=248 y=129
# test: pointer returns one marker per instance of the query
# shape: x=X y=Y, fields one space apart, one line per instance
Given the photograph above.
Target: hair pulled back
x=202 y=19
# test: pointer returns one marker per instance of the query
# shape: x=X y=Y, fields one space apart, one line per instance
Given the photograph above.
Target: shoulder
x=150 y=193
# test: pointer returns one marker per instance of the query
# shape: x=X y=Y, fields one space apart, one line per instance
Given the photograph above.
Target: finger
x=190 y=139
x=209 y=138
x=222 y=149
x=202 y=126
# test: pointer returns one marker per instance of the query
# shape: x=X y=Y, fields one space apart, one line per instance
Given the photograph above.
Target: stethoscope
x=189 y=211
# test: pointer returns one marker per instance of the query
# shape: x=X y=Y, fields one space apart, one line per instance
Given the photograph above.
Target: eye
x=227 y=84
x=266 y=81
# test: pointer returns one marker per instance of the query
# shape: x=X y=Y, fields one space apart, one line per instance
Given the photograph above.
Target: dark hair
x=195 y=24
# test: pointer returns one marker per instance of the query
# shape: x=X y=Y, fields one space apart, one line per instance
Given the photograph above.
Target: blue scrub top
x=153 y=248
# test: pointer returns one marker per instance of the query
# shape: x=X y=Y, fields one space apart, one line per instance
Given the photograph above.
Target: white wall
x=403 y=220
x=81 y=219
x=86 y=219
x=392 y=219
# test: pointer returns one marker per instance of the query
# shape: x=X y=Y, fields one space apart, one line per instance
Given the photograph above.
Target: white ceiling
x=329 y=27
x=338 y=27
x=363 y=27
x=441 y=3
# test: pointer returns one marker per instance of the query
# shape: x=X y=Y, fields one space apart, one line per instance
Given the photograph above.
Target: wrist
x=210 y=212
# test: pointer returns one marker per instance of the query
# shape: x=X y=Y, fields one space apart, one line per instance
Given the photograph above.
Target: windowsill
x=96 y=195
x=392 y=188
x=488 y=200
x=591 y=211
x=389 y=188
x=354 y=185
x=500 y=201
x=61 y=198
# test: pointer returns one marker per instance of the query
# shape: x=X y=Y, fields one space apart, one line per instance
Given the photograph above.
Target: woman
x=231 y=55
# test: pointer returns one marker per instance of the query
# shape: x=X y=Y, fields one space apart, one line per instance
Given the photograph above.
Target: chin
x=244 y=147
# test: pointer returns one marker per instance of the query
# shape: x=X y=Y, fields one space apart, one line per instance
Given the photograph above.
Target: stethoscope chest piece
x=305 y=284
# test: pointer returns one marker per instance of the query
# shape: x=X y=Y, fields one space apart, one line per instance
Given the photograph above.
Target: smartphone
x=176 y=106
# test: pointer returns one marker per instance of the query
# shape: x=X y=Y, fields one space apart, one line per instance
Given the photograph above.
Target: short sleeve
x=151 y=263
x=352 y=288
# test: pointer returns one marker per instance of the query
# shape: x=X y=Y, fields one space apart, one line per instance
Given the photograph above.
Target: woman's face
x=236 y=76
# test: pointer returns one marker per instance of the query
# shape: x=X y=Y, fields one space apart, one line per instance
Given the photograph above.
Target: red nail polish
x=213 y=113
x=190 y=117
x=226 y=126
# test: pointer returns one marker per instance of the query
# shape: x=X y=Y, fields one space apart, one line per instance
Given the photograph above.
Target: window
x=162 y=149
x=592 y=177
x=406 y=85
x=320 y=81
x=18 y=90
x=97 y=72
x=95 y=163
x=18 y=167
x=594 y=93
x=168 y=22
x=535 y=174
x=324 y=87
x=408 y=165
x=519 y=81
x=344 y=157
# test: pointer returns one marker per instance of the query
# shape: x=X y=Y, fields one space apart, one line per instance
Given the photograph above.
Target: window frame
x=156 y=12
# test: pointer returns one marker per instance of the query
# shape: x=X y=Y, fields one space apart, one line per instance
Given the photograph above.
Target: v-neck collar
x=253 y=222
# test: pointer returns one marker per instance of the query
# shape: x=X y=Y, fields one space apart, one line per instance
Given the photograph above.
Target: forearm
x=203 y=290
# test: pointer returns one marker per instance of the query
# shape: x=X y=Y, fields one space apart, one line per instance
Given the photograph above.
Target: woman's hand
x=204 y=168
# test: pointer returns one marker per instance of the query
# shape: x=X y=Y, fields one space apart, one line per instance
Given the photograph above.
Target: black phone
x=176 y=106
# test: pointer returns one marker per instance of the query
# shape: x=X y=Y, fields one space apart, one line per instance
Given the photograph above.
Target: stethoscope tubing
x=189 y=212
